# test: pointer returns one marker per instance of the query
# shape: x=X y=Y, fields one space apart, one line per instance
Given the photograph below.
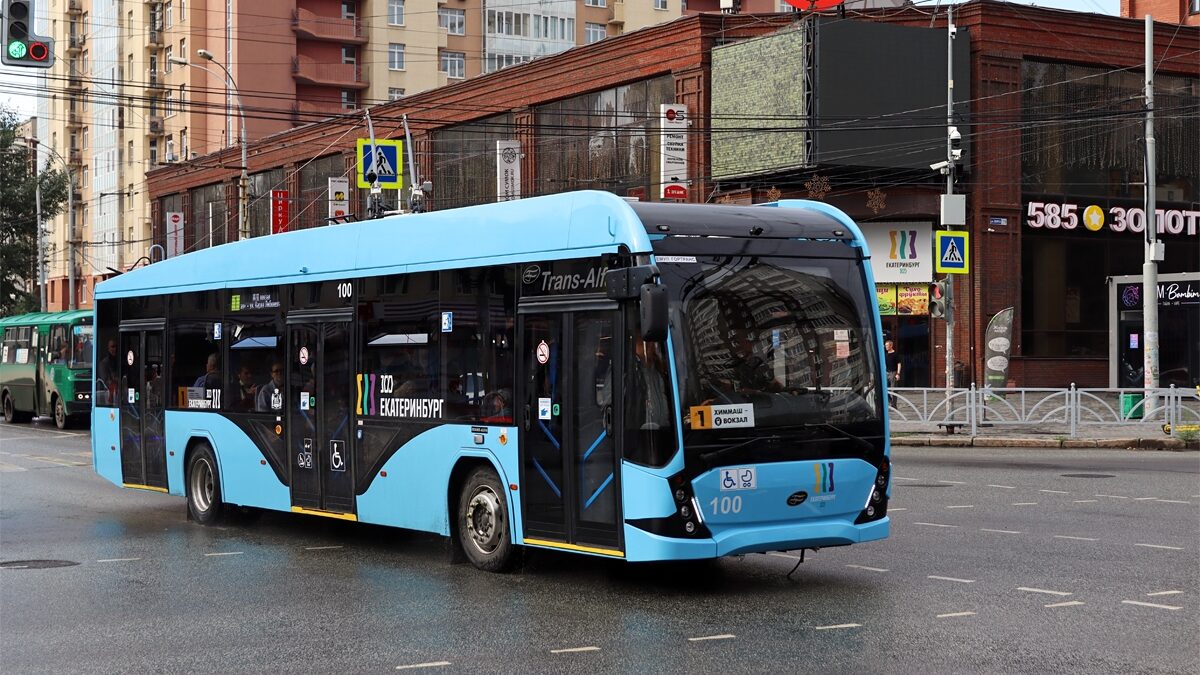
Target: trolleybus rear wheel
x=12 y=415
x=483 y=526
x=203 y=487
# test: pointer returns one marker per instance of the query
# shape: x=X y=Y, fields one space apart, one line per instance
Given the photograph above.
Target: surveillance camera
x=954 y=135
x=956 y=154
x=940 y=166
x=953 y=31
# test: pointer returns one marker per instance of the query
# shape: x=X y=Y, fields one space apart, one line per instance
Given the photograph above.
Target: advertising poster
x=912 y=300
x=886 y=295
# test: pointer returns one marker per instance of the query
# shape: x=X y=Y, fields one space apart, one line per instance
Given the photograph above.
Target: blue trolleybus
x=636 y=380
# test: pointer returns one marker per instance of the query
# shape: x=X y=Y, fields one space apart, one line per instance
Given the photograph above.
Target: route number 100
x=723 y=505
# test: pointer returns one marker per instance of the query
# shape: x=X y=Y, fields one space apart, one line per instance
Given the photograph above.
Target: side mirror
x=653 y=313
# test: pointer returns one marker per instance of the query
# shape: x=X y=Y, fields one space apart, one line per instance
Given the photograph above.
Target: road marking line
x=1113 y=496
x=227 y=553
x=894 y=510
x=1151 y=595
x=431 y=664
x=1085 y=501
x=1145 y=499
x=961 y=581
x=1148 y=604
x=118 y=560
x=947 y=616
x=1172 y=501
x=320 y=548
x=934 y=524
x=777 y=554
x=1169 y=548
x=12 y=468
x=1065 y=536
x=574 y=650
x=1042 y=590
x=903 y=478
x=963 y=506
x=1069 y=603
x=1006 y=487
x=84 y=453
x=724 y=636
x=1056 y=492
x=984 y=529
x=840 y=625
x=869 y=569
x=953 y=482
x=52 y=460
x=1024 y=503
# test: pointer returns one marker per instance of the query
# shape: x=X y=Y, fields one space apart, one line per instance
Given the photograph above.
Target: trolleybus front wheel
x=61 y=419
x=203 y=487
x=483 y=526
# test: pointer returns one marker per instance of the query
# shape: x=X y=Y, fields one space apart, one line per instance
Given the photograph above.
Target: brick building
x=1050 y=114
x=1185 y=12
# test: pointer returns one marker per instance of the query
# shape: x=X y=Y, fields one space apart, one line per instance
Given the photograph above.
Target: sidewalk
x=1134 y=436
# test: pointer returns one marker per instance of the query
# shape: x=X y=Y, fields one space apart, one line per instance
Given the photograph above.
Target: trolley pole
x=1153 y=246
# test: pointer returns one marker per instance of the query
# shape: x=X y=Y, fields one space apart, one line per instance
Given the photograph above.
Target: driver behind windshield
x=751 y=373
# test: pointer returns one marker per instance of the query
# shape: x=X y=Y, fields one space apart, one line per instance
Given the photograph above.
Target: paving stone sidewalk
x=1136 y=436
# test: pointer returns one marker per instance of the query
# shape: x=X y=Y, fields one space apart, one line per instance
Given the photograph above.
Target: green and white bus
x=46 y=367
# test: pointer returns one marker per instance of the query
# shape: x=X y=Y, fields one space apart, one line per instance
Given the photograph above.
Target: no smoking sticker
x=304 y=356
x=129 y=357
x=543 y=352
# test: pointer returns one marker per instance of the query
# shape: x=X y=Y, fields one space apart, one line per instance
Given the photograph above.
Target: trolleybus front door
x=143 y=460
x=570 y=468
x=319 y=421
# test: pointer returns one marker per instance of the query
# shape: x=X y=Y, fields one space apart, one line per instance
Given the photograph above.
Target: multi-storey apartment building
x=121 y=101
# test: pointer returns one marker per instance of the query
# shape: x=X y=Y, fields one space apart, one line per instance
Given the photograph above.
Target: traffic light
x=21 y=46
x=937 y=299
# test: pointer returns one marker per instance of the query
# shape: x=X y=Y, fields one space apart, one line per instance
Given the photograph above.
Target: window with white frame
x=594 y=32
x=395 y=93
x=660 y=4
x=595 y=3
x=169 y=104
x=167 y=60
x=395 y=56
x=454 y=64
x=453 y=20
x=395 y=12
x=349 y=99
x=168 y=15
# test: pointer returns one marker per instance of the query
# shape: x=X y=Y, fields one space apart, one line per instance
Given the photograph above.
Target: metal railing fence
x=1070 y=412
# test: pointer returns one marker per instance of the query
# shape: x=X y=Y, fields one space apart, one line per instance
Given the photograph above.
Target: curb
x=1012 y=442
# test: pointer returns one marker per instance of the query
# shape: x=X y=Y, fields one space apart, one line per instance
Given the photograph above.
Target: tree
x=18 y=217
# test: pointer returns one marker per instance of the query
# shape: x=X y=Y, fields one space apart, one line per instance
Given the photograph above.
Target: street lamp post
x=244 y=182
x=70 y=224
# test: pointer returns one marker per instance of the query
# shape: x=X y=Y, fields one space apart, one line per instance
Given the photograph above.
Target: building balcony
x=75 y=43
x=155 y=81
x=74 y=6
x=75 y=157
x=74 y=118
x=74 y=79
x=307 y=70
x=312 y=26
x=154 y=126
x=304 y=112
x=154 y=39
x=618 y=14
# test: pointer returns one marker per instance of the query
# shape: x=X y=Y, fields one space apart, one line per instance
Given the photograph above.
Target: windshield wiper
x=710 y=457
x=862 y=442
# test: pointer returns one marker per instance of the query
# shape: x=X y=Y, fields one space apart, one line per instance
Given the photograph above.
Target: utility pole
x=1153 y=246
x=41 y=242
x=949 y=191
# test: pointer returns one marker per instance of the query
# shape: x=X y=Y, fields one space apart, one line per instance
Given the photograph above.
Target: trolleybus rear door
x=569 y=460
x=143 y=460
x=319 y=413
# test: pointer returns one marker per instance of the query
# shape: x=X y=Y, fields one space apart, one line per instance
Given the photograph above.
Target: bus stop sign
x=385 y=161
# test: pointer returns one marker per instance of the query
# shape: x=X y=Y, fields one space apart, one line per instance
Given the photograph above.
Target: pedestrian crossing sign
x=386 y=161
x=953 y=252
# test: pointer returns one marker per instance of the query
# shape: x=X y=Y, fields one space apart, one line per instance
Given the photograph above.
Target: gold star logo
x=1093 y=218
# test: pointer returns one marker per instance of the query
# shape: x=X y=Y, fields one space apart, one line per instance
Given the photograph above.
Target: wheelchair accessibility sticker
x=739 y=478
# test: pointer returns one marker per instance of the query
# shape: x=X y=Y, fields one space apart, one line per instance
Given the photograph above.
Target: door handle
x=528 y=412
x=608 y=419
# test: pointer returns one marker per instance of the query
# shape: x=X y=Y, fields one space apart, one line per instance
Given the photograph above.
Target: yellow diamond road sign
x=953 y=252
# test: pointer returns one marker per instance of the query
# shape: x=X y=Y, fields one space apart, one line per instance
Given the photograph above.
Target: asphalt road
x=1000 y=561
